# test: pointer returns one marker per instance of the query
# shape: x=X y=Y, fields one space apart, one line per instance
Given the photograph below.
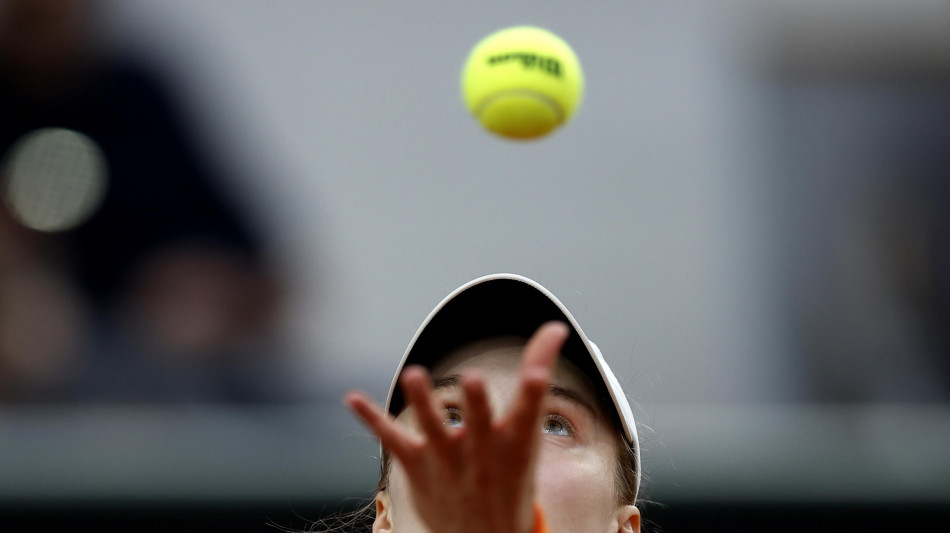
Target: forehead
x=499 y=361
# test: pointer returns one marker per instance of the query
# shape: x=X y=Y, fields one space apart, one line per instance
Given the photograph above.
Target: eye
x=556 y=424
x=453 y=417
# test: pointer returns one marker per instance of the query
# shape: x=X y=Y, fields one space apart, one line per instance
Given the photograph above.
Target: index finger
x=543 y=348
x=540 y=356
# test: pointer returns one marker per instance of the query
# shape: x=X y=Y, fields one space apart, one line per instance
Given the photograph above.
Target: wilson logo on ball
x=547 y=64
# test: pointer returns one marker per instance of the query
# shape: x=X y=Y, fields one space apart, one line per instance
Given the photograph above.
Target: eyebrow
x=574 y=397
x=448 y=382
x=454 y=381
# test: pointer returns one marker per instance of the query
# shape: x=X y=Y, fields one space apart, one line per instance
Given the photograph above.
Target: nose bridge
x=502 y=391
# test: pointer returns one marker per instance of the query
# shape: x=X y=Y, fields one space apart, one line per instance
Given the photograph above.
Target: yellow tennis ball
x=522 y=82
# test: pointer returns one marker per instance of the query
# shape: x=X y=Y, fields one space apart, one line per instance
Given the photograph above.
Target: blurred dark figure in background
x=164 y=292
x=875 y=296
x=911 y=219
x=890 y=340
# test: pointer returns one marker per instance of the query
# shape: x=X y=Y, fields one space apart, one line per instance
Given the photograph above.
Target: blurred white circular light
x=54 y=179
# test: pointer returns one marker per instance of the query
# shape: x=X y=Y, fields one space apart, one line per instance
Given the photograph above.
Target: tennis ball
x=522 y=82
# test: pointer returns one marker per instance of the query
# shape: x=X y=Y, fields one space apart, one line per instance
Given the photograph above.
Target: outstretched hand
x=480 y=476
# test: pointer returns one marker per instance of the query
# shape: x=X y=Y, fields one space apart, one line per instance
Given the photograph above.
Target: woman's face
x=574 y=478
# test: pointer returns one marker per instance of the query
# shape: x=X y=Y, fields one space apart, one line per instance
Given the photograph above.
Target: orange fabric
x=540 y=525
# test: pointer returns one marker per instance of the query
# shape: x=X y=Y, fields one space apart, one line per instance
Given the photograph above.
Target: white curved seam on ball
x=540 y=96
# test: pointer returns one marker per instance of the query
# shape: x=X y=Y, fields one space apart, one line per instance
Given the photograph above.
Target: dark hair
x=625 y=476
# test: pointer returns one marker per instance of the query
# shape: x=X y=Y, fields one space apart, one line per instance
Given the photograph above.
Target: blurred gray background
x=651 y=214
x=748 y=213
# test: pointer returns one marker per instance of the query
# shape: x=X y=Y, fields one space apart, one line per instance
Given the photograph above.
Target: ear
x=383 y=522
x=628 y=519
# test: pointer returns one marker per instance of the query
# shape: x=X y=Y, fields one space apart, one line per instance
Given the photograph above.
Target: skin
x=505 y=427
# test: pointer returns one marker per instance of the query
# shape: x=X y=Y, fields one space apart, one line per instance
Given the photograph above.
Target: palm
x=478 y=477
